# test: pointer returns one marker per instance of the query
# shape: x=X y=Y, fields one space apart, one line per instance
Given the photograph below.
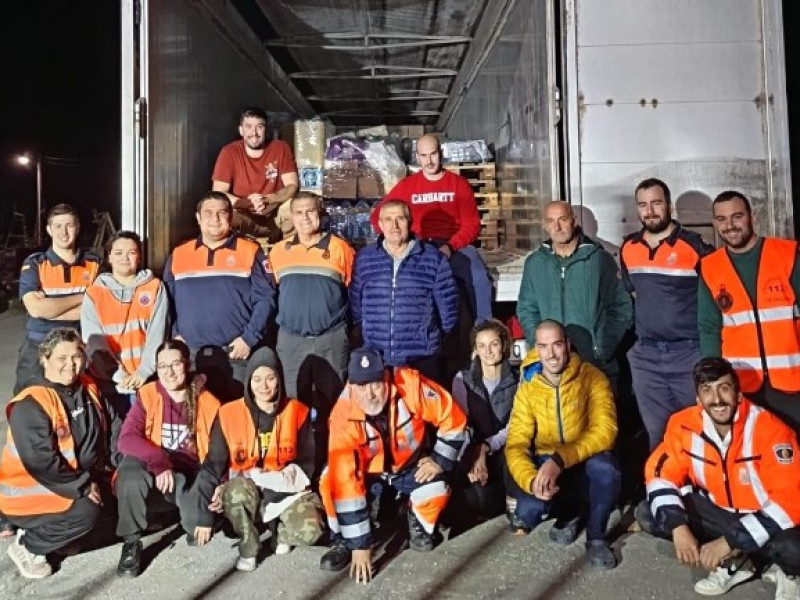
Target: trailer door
x=689 y=91
x=133 y=172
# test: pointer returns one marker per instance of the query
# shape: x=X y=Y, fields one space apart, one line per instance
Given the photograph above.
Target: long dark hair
x=191 y=390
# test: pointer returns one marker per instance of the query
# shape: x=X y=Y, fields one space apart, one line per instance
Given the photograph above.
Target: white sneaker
x=771 y=574
x=720 y=581
x=246 y=564
x=30 y=565
x=282 y=548
x=788 y=586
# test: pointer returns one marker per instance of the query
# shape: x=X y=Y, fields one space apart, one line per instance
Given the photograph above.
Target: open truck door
x=690 y=92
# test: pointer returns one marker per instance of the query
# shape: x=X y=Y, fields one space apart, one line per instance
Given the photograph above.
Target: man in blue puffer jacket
x=403 y=295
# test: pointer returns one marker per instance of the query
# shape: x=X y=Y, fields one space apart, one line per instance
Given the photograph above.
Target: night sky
x=60 y=98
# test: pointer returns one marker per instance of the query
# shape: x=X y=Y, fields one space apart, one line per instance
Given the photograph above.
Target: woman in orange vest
x=264 y=444
x=123 y=320
x=163 y=442
x=56 y=456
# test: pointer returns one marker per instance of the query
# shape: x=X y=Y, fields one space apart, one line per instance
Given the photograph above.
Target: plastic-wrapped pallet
x=309 y=142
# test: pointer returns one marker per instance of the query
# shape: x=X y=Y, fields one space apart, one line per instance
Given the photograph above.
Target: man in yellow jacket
x=562 y=428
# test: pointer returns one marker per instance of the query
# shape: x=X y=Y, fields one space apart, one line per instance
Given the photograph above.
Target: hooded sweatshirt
x=103 y=361
x=216 y=465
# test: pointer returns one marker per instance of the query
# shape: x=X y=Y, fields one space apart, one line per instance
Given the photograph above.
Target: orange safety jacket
x=20 y=493
x=153 y=404
x=757 y=477
x=242 y=438
x=125 y=324
x=764 y=337
x=356 y=448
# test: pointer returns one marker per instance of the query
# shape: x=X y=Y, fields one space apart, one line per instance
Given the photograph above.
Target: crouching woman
x=264 y=444
x=56 y=455
x=163 y=441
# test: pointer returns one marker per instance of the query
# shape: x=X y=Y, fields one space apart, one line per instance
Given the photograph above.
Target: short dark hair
x=124 y=235
x=497 y=327
x=62 y=209
x=253 y=111
x=219 y=196
x=551 y=323
x=650 y=182
x=711 y=369
x=729 y=195
x=308 y=196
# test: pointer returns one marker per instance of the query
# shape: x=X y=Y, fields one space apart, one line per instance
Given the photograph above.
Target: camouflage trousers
x=300 y=524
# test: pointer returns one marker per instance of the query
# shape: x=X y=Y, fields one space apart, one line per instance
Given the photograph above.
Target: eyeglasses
x=173 y=366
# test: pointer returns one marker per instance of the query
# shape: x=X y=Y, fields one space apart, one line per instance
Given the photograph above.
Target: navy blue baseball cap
x=366 y=366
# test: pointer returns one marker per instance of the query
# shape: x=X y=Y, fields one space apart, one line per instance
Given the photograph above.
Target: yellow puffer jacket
x=573 y=421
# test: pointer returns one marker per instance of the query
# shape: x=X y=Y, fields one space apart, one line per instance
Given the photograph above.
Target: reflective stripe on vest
x=205 y=413
x=774 y=323
x=241 y=436
x=20 y=493
x=125 y=324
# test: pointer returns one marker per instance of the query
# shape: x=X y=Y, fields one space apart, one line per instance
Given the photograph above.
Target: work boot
x=338 y=557
x=130 y=560
x=564 y=532
x=644 y=517
x=722 y=580
x=600 y=554
x=30 y=565
x=419 y=539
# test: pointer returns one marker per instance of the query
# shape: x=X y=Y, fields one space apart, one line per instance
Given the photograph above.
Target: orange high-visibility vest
x=767 y=336
x=20 y=493
x=153 y=404
x=125 y=324
x=241 y=436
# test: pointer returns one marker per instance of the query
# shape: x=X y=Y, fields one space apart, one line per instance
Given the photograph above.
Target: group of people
x=171 y=394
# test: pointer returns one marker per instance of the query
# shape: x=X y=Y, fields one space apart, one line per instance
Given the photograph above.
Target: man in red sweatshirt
x=444 y=212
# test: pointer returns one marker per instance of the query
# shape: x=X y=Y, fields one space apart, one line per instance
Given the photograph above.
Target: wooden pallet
x=479 y=171
x=488 y=242
x=487 y=199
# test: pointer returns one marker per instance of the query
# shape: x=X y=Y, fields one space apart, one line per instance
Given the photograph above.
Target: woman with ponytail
x=163 y=442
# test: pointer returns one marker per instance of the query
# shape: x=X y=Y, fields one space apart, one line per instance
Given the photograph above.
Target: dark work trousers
x=225 y=375
x=662 y=381
x=709 y=522
x=784 y=404
x=136 y=492
x=28 y=368
x=473 y=278
x=47 y=533
x=473 y=499
x=314 y=372
x=596 y=482
x=431 y=367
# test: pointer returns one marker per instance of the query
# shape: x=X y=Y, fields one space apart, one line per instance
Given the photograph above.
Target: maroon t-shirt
x=260 y=175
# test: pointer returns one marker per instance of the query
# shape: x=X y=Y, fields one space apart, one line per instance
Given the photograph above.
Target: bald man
x=570 y=278
x=444 y=213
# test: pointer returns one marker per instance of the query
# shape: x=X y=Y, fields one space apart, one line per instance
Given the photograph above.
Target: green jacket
x=584 y=292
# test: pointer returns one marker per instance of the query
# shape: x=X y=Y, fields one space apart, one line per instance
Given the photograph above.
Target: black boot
x=419 y=539
x=338 y=557
x=130 y=560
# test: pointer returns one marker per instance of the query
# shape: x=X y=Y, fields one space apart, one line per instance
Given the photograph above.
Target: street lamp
x=25 y=160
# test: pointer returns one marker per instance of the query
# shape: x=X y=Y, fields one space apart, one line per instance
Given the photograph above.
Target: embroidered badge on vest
x=775 y=290
x=230 y=261
x=241 y=456
x=145 y=298
x=724 y=299
x=744 y=476
x=62 y=430
x=784 y=453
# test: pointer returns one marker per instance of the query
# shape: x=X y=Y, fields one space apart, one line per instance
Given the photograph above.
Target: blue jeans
x=473 y=278
x=596 y=481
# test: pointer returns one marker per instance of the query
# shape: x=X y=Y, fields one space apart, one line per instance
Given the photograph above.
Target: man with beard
x=738 y=462
x=660 y=267
x=259 y=177
x=747 y=308
x=573 y=280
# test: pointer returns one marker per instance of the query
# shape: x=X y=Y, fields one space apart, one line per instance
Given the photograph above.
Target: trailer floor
x=485 y=562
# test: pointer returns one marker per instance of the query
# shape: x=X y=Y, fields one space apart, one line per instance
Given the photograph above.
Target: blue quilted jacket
x=403 y=317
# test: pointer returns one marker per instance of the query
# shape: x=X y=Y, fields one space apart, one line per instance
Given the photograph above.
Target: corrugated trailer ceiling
x=368 y=61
